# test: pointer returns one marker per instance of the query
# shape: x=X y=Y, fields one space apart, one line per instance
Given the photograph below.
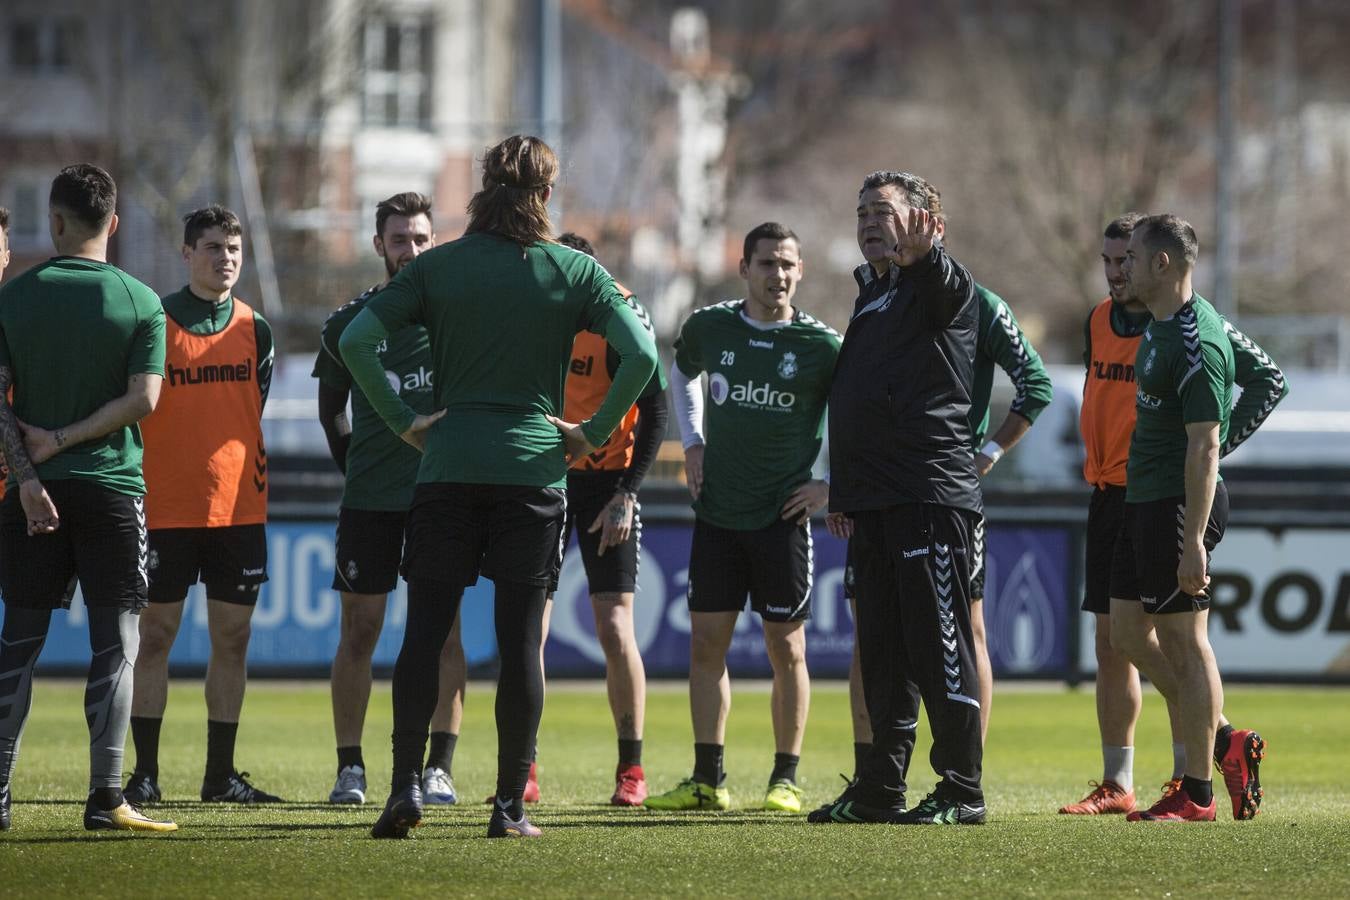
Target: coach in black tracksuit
x=904 y=480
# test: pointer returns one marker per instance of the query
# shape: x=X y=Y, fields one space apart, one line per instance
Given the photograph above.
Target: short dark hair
x=916 y=191
x=198 y=221
x=1121 y=227
x=408 y=204
x=1171 y=235
x=576 y=242
x=4 y=220
x=772 y=231
x=87 y=193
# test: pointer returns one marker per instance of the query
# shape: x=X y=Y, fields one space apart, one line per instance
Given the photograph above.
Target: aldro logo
x=413 y=381
x=750 y=394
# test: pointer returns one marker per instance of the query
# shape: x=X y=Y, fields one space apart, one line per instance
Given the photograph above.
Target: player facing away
x=602 y=490
x=501 y=307
x=380 y=473
x=1126 y=640
x=1001 y=344
x=206 y=505
x=905 y=484
x=748 y=459
x=82 y=344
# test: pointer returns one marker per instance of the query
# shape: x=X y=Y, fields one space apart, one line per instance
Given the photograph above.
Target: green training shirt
x=501 y=320
x=1184 y=373
x=1261 y=381
x=72 y=331
x=767 y=391
x=1002 y=344
x=381 y=466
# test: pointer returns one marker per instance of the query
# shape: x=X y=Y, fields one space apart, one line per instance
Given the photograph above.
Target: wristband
x=993 y=451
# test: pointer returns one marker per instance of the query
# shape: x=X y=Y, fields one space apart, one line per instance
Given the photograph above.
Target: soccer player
x=768 y=366
x=206 y=507
x=1001 y=343
x=905 y=483
x=380 y=472
x=82 y=344
x=602 y=489
x=1113 y=334
x=501 y=307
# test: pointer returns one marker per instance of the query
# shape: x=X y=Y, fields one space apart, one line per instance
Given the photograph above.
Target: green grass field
x=1042 y=751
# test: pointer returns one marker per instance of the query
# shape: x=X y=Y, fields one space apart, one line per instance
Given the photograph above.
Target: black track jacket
x=900 y=401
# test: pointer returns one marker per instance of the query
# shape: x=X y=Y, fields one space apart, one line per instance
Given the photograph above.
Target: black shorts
x=231 y=560
x=506 y=532
x=1106 y=517
x=100 y=543
x=616 y=572
x=977 y=561
x=369 y=550
x=771 y=564
x=1151 y=540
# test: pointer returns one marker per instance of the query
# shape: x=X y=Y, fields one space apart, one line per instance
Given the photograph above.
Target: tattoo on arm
x=616 y=513
x=10 y=436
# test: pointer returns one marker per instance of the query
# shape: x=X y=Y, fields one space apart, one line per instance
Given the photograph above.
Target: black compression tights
x=432 y=607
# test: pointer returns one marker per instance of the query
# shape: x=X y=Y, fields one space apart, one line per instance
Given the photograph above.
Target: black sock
x=630 y=752
x=1222 y=737
x=145 y=735
x=1200 y=792
x=350 y=756
x=442 y=752
x=785 y=767
x=432 y=607
x=519 y=622
x=708 y=764
x=860 y=752
x=219 y=750
x=107 y=798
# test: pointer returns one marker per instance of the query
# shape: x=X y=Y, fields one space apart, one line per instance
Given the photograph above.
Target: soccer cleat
x=1104 y=798
x=236 y=789
x=690 y=794
x=849 y=808
x=1241 y=772
x=1171 y=788
x=936 y=811
x=437 y=788
x=1174 y=807
x=142 y=790
x=350 y=786
x=630 y=786
x=783 y=796
x=501 y=825
x=402 y=813
x=531 y=794
x=5 y=820
x=124 y=818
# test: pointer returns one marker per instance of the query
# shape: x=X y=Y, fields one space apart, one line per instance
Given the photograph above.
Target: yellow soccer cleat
x=690 y=794
x=783 y=796
x=124 y=818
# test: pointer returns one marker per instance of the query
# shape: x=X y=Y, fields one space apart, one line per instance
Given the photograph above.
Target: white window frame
x=410 y=83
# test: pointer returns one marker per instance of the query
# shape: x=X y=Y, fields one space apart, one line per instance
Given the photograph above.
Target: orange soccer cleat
x=1106 y=797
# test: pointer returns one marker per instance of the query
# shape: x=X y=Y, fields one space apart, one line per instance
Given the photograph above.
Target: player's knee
x=786 y=651
x=156 y=638
x=231 y=639
x=705 y=649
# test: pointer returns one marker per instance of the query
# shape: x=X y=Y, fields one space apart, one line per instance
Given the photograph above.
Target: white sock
x=1118 y=766
x=1178 y=760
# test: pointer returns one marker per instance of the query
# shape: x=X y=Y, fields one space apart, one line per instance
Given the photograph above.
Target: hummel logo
x=910 y=554
x=763 y=345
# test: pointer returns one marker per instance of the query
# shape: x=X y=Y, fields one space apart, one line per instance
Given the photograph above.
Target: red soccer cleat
x=1240 y=767
x=1107 y=797
x=630 y=787
x=1175 y=807
x=1171 y=788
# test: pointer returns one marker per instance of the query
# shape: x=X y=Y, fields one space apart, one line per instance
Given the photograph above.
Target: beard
x=390 y=266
